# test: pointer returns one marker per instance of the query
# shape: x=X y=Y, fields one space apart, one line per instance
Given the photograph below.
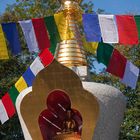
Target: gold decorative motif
x=72 y=136
x=57 y=76
x=70 y=52
x=63 y=1
x=68 y=132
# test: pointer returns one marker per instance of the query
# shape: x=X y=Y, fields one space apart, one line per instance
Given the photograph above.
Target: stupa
x=98 y=109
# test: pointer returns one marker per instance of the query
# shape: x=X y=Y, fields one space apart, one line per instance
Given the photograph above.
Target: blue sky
x=110 y=6
x=118 y=6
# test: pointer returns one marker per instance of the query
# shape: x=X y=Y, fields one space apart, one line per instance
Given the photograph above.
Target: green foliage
x=130 y=129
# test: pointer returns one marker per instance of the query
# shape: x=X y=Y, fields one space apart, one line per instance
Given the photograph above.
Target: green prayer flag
x=137 y=19
x=104 y=53
x=54 y=42
x=53 y=32
x=13 y=92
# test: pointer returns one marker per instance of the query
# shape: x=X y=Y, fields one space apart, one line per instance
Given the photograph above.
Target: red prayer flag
x=46 y=57
x=41 y=33
x=8 y=104
x=127 y=30
x=117 y=64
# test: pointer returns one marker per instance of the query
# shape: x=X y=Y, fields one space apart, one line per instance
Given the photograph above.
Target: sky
x=118 y=6
x=110 y=6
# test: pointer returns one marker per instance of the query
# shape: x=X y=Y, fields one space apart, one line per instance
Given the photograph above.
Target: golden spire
x=70 y=52
x=63 y=1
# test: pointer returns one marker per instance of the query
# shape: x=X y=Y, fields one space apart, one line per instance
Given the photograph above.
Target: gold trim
x=71 y=59
x=72 y=47
x=82 y=52
x=69 y=41
x=71 y=56
x=72 y=63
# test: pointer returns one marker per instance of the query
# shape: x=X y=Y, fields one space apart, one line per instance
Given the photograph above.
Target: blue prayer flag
x=29 y=77
x=12 y=36
x=91 y=28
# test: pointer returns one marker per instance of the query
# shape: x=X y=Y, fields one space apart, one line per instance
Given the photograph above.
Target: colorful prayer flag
x=29 y=34
x=53 y=32
x=21 y=84
x=8 y=104
x=3 y=113
x=131 y=75
x=63 y=26
x=3 y=47
x=41 y=33
x=54 y=44
x=108 y=27
x=36 y=66
x=13 y=92
x=11 y=32
x=46 y=57
x=91 y=28
x=137 y=20
x=29 y=77
x=127 y=30
x=104 y=53
x=90 y=46
x=117 y=64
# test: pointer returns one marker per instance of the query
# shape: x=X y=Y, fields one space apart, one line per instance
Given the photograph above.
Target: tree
x=12 y=69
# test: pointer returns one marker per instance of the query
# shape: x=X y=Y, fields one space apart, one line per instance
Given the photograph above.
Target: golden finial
x=66 y=1
x=70 y=52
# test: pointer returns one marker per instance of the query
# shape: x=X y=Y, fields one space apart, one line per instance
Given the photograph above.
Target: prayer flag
x=117 y=64
x=41 y=33
x=131 y=75
x=29 y=34
x=46 y=57
x=108 y=28
x=12 y=36
x=63 y=26
x=21 y=84
x=13 y=92
x=90 y=46
x=29 y=77
x=91 y=28
x=36 y=66
x=3 y=113
x=53 y=32
x=8 y=104
x=54 y=44
x=3 y=47
x=127 y=30
x=137 y=20
x=104 y=53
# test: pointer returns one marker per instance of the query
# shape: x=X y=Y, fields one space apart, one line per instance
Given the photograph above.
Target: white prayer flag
x=108 y=27
x=29 y=34
x=36 y=66
x=3 y=114
x=131 y=75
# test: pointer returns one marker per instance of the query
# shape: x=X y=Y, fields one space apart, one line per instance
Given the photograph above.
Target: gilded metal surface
x=56 y=76
x=65 y=49
x=71 y=59
x=72 y=54
x=73 y=136
x=63 y=1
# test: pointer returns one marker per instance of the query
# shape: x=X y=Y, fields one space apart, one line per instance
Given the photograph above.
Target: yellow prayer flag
x=90 y=46
x=63 y=26
x=3 y=47
x=21 y=84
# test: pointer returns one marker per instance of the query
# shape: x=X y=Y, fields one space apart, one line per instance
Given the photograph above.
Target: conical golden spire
x=70 y=52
